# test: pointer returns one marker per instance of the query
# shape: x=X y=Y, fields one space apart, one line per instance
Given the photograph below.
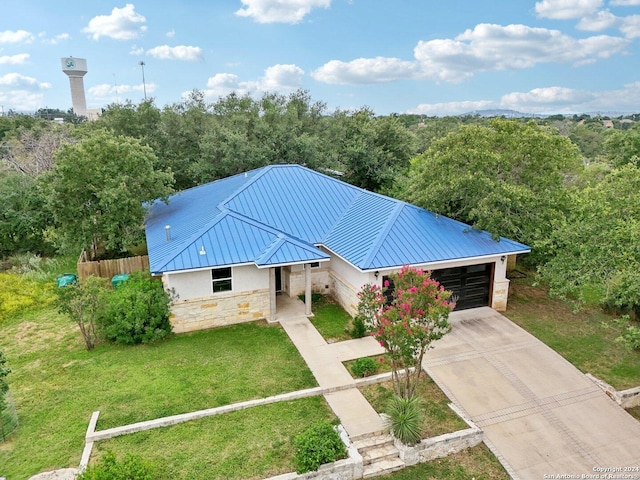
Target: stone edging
x=626 y=398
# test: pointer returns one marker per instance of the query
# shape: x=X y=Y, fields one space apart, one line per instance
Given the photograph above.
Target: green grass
x=330 y=319
x=582 y=338
x=253 y=443
x=438 y=417
x=474 y=463
x=56 y=384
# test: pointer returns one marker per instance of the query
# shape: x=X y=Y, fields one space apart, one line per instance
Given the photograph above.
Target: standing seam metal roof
x=281 y=214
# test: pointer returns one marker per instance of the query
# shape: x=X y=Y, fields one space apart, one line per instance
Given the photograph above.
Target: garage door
x=470 y=285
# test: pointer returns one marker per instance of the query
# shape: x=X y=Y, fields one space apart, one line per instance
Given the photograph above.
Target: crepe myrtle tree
x=406 y=327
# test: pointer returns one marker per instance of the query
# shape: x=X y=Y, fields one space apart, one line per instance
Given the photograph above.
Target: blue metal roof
x=281 y=214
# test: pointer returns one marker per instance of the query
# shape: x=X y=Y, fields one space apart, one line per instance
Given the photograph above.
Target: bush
x=405 y=419
x=110 y=468
x=630 y=337
x=623 y=292
x=358 y=328
x=137 y=312
x=363 y=367
x=317 y=445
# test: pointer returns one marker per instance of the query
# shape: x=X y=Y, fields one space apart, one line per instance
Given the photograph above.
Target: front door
x=278 y=279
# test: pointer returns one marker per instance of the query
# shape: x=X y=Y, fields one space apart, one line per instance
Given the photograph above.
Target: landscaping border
x=628 y=398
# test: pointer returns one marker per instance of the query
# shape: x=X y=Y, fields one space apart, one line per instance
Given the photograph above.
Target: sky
x=393 y=56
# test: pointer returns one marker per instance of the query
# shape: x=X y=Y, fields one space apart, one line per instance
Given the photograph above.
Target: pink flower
x=381 y=359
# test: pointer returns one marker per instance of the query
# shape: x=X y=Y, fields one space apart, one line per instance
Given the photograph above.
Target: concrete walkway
x=325 y=362
x=540 y=414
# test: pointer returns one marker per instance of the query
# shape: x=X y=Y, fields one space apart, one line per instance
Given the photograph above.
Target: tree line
x=568 y=187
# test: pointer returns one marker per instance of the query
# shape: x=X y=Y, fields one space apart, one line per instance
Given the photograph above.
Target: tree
x=416 y=316
x=82 y=302
x=370 y=151
x=596 y=251
x=508 y=177
x=97 y=191
x=31 y=151
x=623 y=146
x=23 y=216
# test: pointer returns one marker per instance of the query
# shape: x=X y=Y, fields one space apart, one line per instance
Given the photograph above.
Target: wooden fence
x=109 y=268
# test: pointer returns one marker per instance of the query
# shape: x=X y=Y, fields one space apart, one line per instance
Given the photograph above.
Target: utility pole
x=144 y=85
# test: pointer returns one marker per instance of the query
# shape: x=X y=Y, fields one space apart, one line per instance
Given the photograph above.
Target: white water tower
x=76 y=68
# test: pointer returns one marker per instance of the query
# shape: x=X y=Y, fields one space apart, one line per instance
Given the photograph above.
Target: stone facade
x=220 y=309
x=344 y=293
x=320 y=282
x=500 y=295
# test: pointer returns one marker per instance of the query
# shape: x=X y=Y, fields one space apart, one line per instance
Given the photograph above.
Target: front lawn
x=57 y=384
x=247 y=444
x=330 y=319
x=582 y=338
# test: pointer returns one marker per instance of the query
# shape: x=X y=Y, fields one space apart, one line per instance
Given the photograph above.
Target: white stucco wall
x=198 y=283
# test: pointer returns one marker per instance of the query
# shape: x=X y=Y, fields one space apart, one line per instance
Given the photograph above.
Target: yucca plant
x=405 y=419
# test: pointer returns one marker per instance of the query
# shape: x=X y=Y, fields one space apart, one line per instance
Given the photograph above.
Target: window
x=387 y=291
x=314 y=264
x=221 y=278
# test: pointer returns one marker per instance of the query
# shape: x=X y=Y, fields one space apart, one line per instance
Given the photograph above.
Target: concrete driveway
x=540 y=414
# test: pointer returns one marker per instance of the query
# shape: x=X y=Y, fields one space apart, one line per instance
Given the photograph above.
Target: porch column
x=307 y=289
x=272 y=294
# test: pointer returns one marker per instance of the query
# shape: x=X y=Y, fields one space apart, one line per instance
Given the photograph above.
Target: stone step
x=380 y=453
x=372 y=441
x=382 y=468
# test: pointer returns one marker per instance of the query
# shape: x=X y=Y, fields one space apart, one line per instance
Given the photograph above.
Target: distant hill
x=501 y=113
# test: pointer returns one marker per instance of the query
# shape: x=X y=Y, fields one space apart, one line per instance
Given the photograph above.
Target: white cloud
x=106 y=93
x=19 y=92
x=277 y=78
x=280 y=77
x=630 y=26
x=171 y=33
x=135 y=50
x=545 y=97
x=180 y=52
x=624 y=3
x=18 y=59
x=122 y=24
x=486 y=47
x=494 y=47
x=279 y=11
x=19 y=81
x=599 y=21
x=55 y=40
x=452 y=108
x=365 y=70
x=17 y=36
x=546 y=100
x=566 y=9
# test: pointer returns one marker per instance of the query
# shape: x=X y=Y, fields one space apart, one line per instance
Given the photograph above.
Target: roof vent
x=167 y=232
x=245 y=174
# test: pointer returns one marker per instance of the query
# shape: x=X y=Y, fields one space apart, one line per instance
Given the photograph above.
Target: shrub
x=363 y=367
x=358 y=328
x=630 y=337
x=317 y=445
x=405 y=419
x=137 y=312
x=623 y=292
x=110 y=468
x=83 y=303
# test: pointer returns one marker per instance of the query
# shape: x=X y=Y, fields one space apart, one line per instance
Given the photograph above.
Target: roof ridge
x=247 y=184
x=383 y=234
